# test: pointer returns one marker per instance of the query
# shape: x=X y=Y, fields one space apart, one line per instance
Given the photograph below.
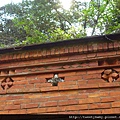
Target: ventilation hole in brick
x=55 y=80
x=100 y=62
x=7 y=83
x=111 y=61
x=110 y=75
x=4 y=72
x=11 y=71
x=107 y=62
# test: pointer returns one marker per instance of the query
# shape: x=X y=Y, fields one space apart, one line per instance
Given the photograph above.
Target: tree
x=34 y=21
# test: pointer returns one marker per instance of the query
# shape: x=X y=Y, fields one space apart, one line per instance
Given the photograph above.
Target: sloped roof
x=97 y=38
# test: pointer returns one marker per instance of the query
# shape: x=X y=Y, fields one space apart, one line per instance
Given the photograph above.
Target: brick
x=110 y=45
x=36 y=110
x=50 y=94
x=107 y=99
x=82 y=82
x=91 y=55
x=57 y=98
x=31 y=105
x=68 y=112
x=66 y=74
x=39 y=53
x=90 y=112
x=19 y=78
x=116 y=44
x=95 y=76
x=2 y=107
x=102 y=85
x=35 y=100
x=43 y=85
x=76 y=57
x=99 y=94
x=95 y=46
x=15 y=97
x=53 y=67
x=21 y=101
x=89 y=100
x=71 y=78
x=72 y=92
x=17 y=111
x=34 y=81
x=92 y=64
x=100 y=46
x=61 y=50
x=57 y=51
x=105 y=46
x=76 y=49
x=96 y=81
x=77 y=107
x=116 y=104
x=4 y=112
x=3 y=98
x=66 y=50
x=67 y=83
x=70 y=50
x=64 y=58
x=114 y=93
x=75 y=65
x=12 y=107
x=44 y=76
x=117 y=98
x=99 y=105
x=9 y=102
x=86 y=86
x=68 y=102
x=118 y=52
x=94 y=71
x=70 y=87
x=81 y=96
x=41 y=68
x=85 y=48
x=111 y=111
x=27 y=96
x=23 y=82
x=66 y=66
x=81 y=73
x=52 y=109
x=104 y=54
x=46 y=104
x=52 y=88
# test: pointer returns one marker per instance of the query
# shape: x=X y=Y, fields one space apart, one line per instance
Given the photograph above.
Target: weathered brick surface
x=80 y=65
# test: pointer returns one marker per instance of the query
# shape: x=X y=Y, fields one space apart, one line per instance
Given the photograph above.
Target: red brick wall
x=82 y=92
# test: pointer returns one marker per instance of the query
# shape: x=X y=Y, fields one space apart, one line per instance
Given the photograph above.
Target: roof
x=98 y=38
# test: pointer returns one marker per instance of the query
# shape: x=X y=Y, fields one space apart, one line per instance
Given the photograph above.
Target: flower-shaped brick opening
x=110 y=75
x=7 y=83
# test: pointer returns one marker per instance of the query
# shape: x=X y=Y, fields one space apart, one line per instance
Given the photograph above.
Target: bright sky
x=4 y=2
x=66 y=3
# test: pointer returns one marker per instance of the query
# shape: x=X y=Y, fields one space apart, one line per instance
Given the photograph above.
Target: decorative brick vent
x=55 y=80
x=110 y=75
x=7 y=83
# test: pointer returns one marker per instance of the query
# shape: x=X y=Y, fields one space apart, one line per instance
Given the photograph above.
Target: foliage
x=34 y=21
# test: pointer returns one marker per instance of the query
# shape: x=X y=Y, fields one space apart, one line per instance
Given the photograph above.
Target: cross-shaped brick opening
x=55 y=80
x=7 y=83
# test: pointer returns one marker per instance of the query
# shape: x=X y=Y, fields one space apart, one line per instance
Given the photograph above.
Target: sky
x=4 y=2
x=66 y=3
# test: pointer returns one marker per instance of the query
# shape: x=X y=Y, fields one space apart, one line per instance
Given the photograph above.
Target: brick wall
x=24 y=73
